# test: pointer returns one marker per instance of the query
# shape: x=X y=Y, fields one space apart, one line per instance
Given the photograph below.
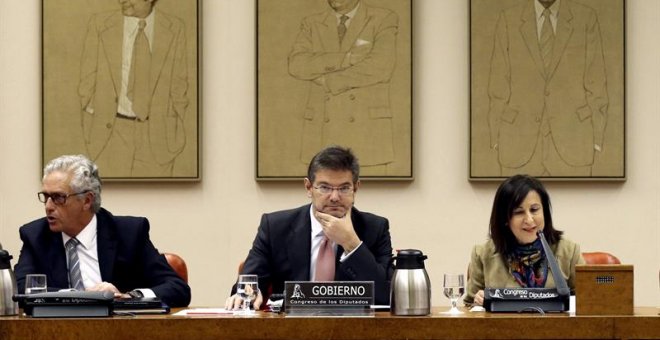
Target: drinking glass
x=35 y=283
x=247 y=289
x=454 y=288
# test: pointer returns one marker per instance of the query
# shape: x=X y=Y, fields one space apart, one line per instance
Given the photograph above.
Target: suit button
x=109 y=126
x=329 y=68
x=547 y=94
x=351 y=97
x=327 y=120
x=351 y=119
x=538 y=119
x=327 y=98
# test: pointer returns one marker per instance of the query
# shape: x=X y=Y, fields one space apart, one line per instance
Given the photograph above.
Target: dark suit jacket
x=281 y=251
x=127 y=258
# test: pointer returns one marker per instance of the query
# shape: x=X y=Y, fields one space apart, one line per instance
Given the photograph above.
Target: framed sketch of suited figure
x=334 y=72
x=120 y=85
x=547 y=89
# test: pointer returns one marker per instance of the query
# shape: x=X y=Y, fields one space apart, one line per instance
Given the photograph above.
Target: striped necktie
x=547 y=40
x=75 y=278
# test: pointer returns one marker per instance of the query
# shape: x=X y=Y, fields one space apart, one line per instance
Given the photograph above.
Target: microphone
x=531 y=299
x=560 y=282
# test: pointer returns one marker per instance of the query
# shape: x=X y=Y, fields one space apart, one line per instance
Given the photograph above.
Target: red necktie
x=325 y=262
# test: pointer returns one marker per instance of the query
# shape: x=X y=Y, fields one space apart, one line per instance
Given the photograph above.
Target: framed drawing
x=334 y=72
x=547 y=94
x=121 y=85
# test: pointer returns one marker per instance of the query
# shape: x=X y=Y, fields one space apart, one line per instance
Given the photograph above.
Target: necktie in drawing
x=75 y=278
x=325 y=261
x=138 y=80
x=547 y=40
x=341 y=28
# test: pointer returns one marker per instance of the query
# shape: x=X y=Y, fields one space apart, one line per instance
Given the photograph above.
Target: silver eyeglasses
x=57 y=197
x=342 y=190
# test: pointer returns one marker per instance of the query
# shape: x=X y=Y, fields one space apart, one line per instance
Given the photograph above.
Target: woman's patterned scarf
x=528 y=266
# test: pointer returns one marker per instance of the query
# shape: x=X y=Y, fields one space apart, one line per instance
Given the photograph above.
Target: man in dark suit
x=290 y=244
x=83 y=246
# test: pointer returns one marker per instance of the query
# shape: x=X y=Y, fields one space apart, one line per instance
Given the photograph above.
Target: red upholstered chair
x=600 y=257
x=178 y=264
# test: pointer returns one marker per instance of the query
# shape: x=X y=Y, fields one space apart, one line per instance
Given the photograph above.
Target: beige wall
x=212 y=223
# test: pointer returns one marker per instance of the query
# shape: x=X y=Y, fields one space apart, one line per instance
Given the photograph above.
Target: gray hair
x=84 y=175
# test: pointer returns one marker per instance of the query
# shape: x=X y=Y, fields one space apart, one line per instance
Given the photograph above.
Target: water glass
x=35 y=283
x=248 y=289
x=454 y=288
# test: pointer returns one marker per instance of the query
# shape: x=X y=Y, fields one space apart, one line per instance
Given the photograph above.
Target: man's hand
x=235 y=302
x=108 y=287
x=339 y=230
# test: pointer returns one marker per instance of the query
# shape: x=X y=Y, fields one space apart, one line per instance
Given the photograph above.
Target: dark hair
x=334 y=158
x=508 y=197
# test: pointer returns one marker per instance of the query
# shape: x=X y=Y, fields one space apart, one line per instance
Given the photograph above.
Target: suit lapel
x=528 y=31
x=112 y=42
x=564 y=32
x=106 y=244
x=357 y=24
x=300 y=234
x=58 y=266
x=163 y=39
x=328 y=31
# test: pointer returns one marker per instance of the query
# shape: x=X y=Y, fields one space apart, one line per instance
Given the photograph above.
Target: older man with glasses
x=81 y=246
x=326 y=240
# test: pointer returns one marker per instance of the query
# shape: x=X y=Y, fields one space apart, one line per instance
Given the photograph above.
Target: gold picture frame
x=548 y=101
x=88 y=89
x=315 y=89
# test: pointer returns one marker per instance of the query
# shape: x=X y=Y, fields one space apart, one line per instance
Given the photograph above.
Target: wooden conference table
x=645 y=324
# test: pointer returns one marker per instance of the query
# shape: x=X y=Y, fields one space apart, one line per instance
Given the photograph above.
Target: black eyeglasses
x=57 y=197
x=326 y=189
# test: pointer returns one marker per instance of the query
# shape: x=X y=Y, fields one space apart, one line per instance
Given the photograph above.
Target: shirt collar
x=350 y=14
x=87 y=236
x=554 y=9
x=316 y=225
x=133 y=21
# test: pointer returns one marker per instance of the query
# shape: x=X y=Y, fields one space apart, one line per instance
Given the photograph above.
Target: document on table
x=203 y=311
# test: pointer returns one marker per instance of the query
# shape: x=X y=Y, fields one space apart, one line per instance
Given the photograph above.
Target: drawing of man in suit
x=547 y=89
x=347 y=54
x=133 y=90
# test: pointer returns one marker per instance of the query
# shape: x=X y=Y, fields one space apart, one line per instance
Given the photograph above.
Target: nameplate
x=328 y=298
x=522 y=293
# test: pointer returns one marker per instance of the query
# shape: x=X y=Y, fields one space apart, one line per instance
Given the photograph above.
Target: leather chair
x=600 y=257
x=178 y=264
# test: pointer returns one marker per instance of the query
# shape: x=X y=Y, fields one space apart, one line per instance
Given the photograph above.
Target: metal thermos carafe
x=411 y=287
x=7 y=285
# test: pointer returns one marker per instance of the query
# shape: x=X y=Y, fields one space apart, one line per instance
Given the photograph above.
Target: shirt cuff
x=344 y=256
x=146 y=292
